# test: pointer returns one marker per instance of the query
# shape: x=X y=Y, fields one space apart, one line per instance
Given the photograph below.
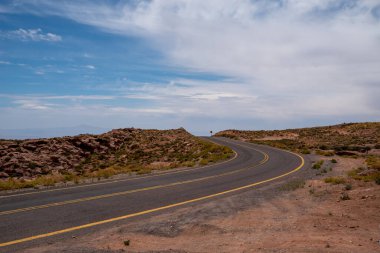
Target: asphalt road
x=39 y=217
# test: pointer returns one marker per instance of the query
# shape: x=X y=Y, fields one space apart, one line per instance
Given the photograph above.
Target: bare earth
x=265 y=219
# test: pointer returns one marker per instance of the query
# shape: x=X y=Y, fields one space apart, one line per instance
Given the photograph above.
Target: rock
x=37 y=171
x=29 y=146
x=4 y=175
x=367 y=172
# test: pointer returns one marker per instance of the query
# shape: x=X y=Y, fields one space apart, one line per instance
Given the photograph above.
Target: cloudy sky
x=203 y=65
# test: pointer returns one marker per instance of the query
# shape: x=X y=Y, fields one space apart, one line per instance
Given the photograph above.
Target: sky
x=201 y=65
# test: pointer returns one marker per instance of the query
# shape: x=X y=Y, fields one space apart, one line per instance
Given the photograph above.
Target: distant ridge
x=343 y=137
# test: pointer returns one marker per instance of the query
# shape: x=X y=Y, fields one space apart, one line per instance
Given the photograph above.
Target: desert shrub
x=348 y=187
x=334 y=161
x=47 y=180
x=188 y=164
x=324 y=153
x=293 y=185
x=204 y=162
x=318 y=165
x=344 y=196
x=335 y=180
x=8 y=184
x=104 y=173
x=144 y=170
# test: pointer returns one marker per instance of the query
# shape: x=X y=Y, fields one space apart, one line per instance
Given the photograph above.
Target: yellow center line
x=152 y=210
x=121 y=180
x=73 y=201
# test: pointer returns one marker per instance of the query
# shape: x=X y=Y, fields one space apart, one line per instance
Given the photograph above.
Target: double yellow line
x=266 y=157
x=129 y=191
x=73 y=201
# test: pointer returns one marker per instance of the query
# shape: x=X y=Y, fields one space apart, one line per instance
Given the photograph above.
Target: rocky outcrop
x=85 y=153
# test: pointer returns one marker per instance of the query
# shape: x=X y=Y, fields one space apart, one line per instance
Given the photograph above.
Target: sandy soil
x=267 y=219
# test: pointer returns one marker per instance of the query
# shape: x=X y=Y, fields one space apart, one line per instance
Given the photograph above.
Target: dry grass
x=335 y=180
x=293 y=185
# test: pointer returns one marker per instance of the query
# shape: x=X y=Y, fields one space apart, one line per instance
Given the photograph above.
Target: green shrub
x=348 y=187
x=318 y=165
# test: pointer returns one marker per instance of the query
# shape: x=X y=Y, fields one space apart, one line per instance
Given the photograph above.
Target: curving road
x=40 y=217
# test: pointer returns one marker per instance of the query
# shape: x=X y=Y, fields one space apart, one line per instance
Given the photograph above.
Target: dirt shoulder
x=299 y=214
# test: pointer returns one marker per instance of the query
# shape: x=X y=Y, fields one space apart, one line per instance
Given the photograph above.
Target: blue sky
x=202 y=65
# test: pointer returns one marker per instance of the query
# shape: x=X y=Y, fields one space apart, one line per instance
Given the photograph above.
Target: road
x=44 y=216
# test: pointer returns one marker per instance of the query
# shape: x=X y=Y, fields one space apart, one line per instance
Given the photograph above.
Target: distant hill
x=126 y=150
x=360 y=137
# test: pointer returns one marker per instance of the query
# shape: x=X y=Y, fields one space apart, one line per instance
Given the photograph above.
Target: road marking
x=123 y=180
x=73 y=201
x=151 y=210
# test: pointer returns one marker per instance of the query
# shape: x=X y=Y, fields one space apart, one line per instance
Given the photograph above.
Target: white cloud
x=53 y=97
x=285 y=59
x=39 y=72
x=5 y=62
x=31 y=104
x=31 y=35
x=90 y=66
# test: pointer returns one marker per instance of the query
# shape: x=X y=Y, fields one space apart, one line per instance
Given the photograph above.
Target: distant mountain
x=31 y=133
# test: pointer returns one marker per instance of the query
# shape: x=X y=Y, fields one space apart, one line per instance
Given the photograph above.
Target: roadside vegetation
x=335 y=180
x=293 y=185
x=350 y=140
